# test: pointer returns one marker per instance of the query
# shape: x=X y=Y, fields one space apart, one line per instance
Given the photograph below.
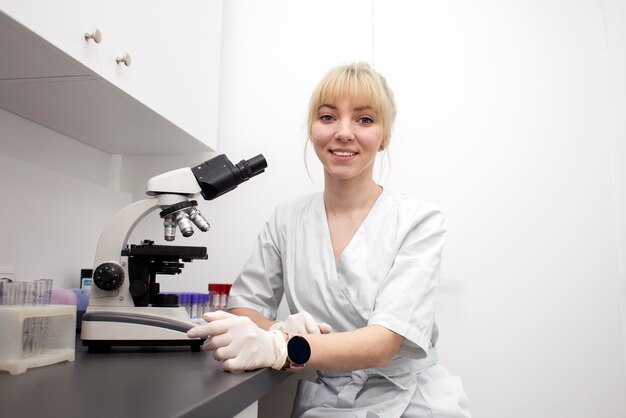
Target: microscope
x=126 y=307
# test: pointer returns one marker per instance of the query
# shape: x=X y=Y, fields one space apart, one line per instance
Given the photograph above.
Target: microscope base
x=103 y=327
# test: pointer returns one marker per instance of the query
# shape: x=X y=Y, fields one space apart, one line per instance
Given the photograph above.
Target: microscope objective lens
x=199 y=220
x=184 y=224
x=169 y=229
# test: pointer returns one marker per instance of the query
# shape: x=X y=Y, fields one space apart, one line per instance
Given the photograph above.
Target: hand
x=301 y=323
x=240 y=343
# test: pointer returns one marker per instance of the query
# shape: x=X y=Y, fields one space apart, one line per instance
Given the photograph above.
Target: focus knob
x=108 y=276
x=138 y=288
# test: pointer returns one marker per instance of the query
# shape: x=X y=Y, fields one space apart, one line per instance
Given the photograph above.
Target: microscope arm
x=115 y=235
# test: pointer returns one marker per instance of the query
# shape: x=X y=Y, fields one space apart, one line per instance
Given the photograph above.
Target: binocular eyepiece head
x=218 y=175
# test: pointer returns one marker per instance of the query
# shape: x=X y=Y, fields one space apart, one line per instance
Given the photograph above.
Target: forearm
x=258 y=318
x=372 y=346
x=238 y=339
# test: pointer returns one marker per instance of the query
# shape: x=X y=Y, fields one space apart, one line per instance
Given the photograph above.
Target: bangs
x=362 y=91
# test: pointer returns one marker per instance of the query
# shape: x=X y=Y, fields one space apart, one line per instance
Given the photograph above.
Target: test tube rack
x=57 y=339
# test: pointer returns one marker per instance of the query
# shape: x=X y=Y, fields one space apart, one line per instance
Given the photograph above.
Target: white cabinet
x=164 y=102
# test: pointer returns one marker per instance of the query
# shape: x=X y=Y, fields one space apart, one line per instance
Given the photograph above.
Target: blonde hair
x=363 y=86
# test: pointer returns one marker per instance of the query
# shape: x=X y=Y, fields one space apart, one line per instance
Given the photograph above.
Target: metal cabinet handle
x=124 y=59
x=96 y=35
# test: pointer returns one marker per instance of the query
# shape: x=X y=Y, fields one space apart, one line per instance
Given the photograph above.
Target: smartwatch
x=298 y=351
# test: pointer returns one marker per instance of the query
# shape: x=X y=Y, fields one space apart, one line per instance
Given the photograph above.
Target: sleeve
x=259 y=286
x=405 y=302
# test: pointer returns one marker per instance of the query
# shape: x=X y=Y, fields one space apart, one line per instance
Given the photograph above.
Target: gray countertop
x=134 y=382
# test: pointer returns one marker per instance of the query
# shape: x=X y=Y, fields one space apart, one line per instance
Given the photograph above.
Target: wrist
x=280 y=350
x=276 y=325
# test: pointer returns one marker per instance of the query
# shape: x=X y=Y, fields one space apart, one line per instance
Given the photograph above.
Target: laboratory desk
x=134 y=382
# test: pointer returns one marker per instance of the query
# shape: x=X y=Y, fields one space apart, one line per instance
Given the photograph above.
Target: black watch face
x=298 y=350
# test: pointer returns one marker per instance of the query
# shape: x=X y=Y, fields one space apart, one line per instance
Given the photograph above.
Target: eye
x=326 y=118
x=365 y=120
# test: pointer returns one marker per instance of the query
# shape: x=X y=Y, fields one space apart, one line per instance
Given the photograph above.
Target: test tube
x=40 y=291
x=13 y=293
x=205 y=304
x=43 y=293
x=185 y=303
x=211 y=290
x=37 y=323
x=216 y=299
x=30 y=323
x=4 y=290
x=9 y=294
x=20 y=292
x=189 y=303
x=224 y=296
x=31 y=293
x=47 y=291
x=18 y=298
x=194 y=305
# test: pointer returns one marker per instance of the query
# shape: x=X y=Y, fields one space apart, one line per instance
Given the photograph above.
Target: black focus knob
x=108 y=276
x=138 y=288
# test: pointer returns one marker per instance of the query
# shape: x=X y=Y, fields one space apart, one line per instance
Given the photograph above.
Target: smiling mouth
x=343 y=153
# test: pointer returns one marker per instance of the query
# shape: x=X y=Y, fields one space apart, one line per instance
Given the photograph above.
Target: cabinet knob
x=96 y=35
x=124 y=59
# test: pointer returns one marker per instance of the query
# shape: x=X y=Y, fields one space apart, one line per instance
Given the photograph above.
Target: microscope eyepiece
x=218 y=175
x=252 y=167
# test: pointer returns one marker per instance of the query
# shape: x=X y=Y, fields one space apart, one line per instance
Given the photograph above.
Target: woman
x=355 y=259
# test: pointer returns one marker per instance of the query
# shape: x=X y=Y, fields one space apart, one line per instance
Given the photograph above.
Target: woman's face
x=346 y=139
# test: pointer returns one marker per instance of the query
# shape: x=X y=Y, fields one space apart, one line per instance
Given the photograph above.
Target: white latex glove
x=301 y=323
x=240 y=343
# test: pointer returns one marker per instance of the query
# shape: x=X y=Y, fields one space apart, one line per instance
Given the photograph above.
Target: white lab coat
x=387 y=276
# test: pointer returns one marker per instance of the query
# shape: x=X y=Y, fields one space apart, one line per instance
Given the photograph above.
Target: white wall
x=56 y=195
x=506 y=123
x=614 y=15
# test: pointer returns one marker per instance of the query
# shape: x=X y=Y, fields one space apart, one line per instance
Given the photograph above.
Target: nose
x=344 y=131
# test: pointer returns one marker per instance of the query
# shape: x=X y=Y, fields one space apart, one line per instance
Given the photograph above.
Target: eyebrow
x=357 y=108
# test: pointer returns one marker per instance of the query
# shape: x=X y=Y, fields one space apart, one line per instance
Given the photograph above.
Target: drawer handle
x=124 y=59
x=96 y=35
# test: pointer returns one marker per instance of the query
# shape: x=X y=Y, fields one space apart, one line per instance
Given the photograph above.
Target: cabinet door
x=175 y=50
x=64 y=25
